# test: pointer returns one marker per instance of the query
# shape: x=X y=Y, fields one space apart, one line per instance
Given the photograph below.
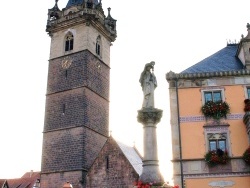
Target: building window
x=63 y=108
x=98 y=46
x=66 y=73
x=89 y=4
x=107 y=162
x=248 y=92
x=217 y=137
x=214 y=95
x=69 y=42
x=217 y=144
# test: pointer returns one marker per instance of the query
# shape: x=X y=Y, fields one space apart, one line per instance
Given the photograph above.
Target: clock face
x=66 y=63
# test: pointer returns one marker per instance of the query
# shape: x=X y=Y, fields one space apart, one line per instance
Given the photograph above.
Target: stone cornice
x=87 y=16
x=171 y=76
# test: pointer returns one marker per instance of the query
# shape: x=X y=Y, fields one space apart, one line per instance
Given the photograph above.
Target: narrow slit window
x=66 y=73
x=98 y=46
x=63 y=108
x=107 y=162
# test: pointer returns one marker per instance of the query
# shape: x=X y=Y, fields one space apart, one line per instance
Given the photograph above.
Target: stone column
x=149 y=117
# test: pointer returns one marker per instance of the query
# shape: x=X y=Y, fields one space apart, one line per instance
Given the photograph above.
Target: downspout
x=179 y=131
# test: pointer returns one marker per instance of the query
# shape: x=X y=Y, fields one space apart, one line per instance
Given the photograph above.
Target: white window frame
x=217 y=130
x=203 y=91
x=245 y=91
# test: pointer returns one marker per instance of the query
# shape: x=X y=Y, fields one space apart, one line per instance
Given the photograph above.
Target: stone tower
x=243 y=52
x=77 y=98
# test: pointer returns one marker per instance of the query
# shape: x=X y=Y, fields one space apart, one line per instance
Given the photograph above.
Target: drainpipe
x=179 y=131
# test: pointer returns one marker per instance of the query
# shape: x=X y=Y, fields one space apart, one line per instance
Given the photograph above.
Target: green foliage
x=246 y=155
x=247 y=105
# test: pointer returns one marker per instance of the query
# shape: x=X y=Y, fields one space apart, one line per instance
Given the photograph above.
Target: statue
x=149 y=116
x=148 y=84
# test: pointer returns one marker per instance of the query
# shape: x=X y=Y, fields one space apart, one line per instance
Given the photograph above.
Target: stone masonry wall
x=111 y=169
x=73 y=149
x=85 y=70
x=78 y=107
x=56 y=180
x=84 y=38
x=76 y=117
x=63 y=150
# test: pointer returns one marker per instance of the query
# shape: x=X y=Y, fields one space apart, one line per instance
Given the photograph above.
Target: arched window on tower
x=69 y=42
x=98 y=46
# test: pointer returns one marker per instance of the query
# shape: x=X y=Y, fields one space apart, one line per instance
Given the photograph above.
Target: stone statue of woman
x=148 y=84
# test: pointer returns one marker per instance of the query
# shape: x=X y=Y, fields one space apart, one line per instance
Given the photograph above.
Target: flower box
x=246 y=156
x=215 y=110
x=247 y=105
x=140 y=184
x=216 y=157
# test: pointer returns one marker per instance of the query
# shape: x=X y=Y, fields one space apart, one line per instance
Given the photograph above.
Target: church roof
x=132 y=155
x=2 y=183
x=223 y=60
x=79 y=2
x=26 y=181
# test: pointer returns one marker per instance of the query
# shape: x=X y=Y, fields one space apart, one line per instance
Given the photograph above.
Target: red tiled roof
x=30 y=174
x=26 y=181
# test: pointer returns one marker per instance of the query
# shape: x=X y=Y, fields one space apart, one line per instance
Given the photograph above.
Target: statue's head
x=149 y=66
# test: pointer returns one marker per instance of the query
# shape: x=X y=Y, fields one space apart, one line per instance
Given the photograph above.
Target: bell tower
x=76 y=121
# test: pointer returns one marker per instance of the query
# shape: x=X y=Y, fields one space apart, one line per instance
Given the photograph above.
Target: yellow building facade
x=208 y=122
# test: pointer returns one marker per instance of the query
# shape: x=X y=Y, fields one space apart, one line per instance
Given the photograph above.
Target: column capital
x=149 y=115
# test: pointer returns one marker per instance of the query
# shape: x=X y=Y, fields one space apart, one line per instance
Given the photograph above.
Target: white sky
x=174 y=34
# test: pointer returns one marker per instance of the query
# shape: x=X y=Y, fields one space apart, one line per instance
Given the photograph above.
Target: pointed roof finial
x=109 y=11
x=56 y=3
x=248 y=29
x=55 y=8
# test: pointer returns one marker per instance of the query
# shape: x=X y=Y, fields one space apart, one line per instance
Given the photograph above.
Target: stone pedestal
x=149 y=117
